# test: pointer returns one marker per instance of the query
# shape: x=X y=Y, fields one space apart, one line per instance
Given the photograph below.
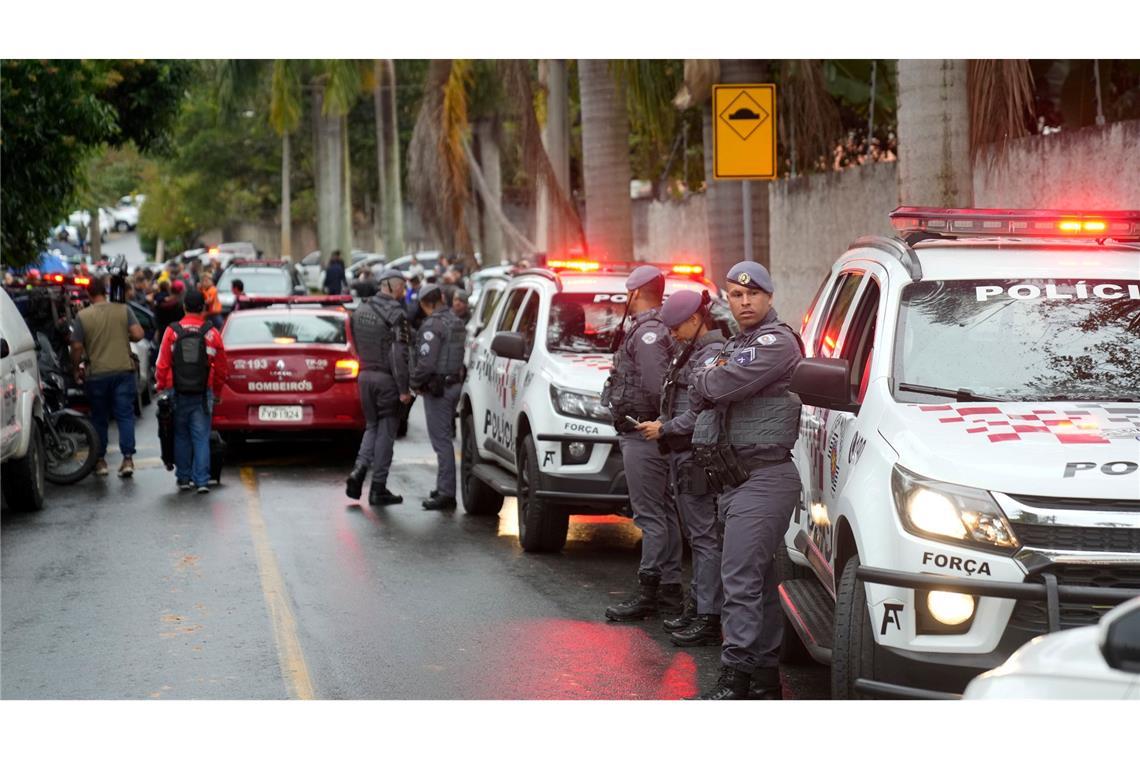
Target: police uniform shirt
x=704 y=355
x=649 y=347
x=430 y=340
x=759 y=362
x=383 y=307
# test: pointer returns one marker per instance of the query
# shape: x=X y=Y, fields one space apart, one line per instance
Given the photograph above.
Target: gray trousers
x=647 y=477
x=439 y=411
x=756 y=515
x=699 y=518
x=380 y=399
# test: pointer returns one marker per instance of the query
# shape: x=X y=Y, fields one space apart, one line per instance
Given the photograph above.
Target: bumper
x=599 y=493
x=336 y=409
x=906 y=670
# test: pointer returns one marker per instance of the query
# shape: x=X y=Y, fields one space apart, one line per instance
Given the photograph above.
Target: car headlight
x=951 y=513
x=587 y=406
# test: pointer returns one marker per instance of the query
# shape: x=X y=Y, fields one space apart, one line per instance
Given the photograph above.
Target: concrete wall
x=675 y=231
x=1093 y=168
x=813 y=220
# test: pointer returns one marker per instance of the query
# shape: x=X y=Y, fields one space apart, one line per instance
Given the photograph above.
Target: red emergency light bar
x=990 y=222
x=256 y=302
x=586 y=265
x=576 y=265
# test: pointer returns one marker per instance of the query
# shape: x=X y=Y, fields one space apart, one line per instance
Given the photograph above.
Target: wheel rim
x=69 y=450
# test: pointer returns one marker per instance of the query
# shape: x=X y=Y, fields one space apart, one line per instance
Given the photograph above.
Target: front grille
x=1096 y=505
x=1071 y=538
x=1032 y=616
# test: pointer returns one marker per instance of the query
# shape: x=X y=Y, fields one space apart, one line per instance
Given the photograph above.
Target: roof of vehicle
x=610 y=282
x=1007 y=258
x=262 y=263
x=269 y=310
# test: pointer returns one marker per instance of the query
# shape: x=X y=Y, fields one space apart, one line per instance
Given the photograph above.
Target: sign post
x=744 y=141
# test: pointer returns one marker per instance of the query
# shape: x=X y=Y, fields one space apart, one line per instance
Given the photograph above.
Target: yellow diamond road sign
x=744 y=131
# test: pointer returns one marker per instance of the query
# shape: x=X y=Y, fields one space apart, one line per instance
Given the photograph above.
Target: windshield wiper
x=1101 y=399
x=962 y=394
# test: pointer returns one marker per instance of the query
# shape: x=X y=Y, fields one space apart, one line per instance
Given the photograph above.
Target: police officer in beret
x=633 y=395
x=744 y=440
x=697 y=345
x=380 y=328
x=438 y=376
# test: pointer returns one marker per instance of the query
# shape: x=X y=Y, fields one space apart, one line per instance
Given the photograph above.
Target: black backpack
x=191 y=361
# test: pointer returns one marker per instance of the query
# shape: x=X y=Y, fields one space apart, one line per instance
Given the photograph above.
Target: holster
x=436 y=385
x=722 y=466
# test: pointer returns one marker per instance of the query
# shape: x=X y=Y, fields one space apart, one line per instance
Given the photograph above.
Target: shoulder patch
x=745 y=357
x=429 y=335
x=766 y=339
x=425 y=349
x=649 y=338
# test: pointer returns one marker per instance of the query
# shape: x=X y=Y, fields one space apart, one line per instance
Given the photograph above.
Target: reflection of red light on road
x=572 y=659
x=599 y=519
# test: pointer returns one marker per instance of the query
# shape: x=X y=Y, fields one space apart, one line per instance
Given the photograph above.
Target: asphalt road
x=276 y=586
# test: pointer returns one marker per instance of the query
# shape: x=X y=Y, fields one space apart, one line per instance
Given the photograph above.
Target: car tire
x=792 y=650
x=478 y=497
x=855 y=651
x=121 y=226
x=542 y=526
x=25 y=478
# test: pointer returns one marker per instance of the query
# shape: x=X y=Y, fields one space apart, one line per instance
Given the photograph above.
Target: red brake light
x=57 y=278
x=692 y=269
x=285 y=341
x=346 y=369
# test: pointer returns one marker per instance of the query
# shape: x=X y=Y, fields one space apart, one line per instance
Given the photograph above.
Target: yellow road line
x=289 y=653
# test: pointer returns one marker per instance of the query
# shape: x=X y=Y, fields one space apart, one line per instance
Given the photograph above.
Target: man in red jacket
x=192 y=361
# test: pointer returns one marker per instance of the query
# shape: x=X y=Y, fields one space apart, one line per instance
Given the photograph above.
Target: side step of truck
x=811 y=611
x=496 y=477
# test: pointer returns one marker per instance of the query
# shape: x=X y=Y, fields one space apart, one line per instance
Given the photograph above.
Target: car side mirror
x=825 y=383
x=1120 y=637
x=509 y=345
x=4 y=350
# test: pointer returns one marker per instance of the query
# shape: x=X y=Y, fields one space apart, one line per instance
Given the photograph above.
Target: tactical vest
x=772 y=420
x=454 y=343
x=623 y=392
x=374 y=326
x=675 y=392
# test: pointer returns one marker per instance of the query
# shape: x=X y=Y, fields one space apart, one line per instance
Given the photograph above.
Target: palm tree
x=284 y=117
x=388 y=158
x=605 y=161
x=549 y=232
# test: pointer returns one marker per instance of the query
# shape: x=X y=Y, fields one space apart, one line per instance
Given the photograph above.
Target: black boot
x=379 y=496
x=670 y=599
x=704 y=632
x=354 y=484
x=732 y=684
x=765 y=684
x=641 y=606
x=433 y=495
x=440 y=502
x=685 y=619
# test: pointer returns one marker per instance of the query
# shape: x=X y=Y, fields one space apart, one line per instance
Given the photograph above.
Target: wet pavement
x=275 y=585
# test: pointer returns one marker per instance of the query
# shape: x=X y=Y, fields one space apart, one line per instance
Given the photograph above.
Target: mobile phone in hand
x=632 y=421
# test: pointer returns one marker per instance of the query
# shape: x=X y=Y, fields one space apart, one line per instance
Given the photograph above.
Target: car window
x=827 y=339
x=859 y=341
x=514 y=302
x=528 y=322
x=257 y=282
x=584 y=323
x=490 y=299
x=284 y=328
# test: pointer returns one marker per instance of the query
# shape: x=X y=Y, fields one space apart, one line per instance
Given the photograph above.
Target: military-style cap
x=390 y=274
x=751 y=275
x=461 y=295
x=679 y=307
x=427 y=290
x=642 y=276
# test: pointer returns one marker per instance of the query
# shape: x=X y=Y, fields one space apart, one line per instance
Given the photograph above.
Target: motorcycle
x=70 y=440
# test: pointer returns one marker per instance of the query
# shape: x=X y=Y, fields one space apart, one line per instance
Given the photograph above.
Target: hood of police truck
x=586 y=373
x=1068 y=449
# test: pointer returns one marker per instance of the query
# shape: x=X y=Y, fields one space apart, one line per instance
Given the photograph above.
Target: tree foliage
x=56 y=115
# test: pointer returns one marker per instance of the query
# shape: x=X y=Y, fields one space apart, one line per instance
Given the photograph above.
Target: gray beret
x=427 y=290
x=390 y=274
x=751 y=275
x=461 y=295
x=679 y=307
x=642 y=276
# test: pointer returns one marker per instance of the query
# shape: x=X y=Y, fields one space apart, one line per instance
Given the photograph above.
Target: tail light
x=346 y=369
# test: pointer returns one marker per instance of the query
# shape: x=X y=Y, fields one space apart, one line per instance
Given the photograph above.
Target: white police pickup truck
x=21 y=412
x=531 y=418
x=969 y=445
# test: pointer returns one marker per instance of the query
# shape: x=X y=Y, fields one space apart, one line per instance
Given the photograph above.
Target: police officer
x=697 y=345
x=633 y=394
x=380 y=327
x=438 y=377
x=744 y=442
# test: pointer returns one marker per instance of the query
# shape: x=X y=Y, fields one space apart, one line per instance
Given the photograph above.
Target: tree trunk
x=391 y=199
x=934 y=134
x=330 y=163
x=725 y=207
x=491 y=165
x=378 y=114
x=346 y=239
x=286 y=201
x=160 y=250
x=550 y=227
x=605 y=162
x=95 y=234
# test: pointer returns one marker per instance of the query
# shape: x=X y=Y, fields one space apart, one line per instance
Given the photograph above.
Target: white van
x=21 y=442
